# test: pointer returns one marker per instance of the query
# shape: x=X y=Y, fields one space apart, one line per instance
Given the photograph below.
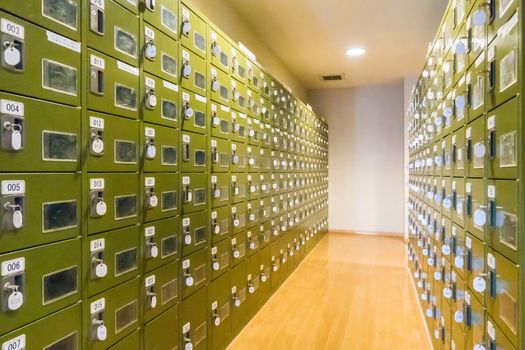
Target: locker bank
x=167 y=180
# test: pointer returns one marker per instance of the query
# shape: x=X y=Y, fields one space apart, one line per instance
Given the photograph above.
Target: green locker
x=161 y=333
x=159 y=290
x=239 y=98
x=110 y=143
x=219 y=259
x=265 y=273
x=220 y=153
x=220 y=49
x=160 y=53
x=159 y=101
x=266 y=135
x=113 y=90
x=496 y=337
x=503 y=214
x=254 y=210
x=61 y=16
x=265 y=160
x=253 y=186
x=239 y=185
x=475 y=321
x=254 y=109
x=220 y=189
x=476 y=211
x=502 y=141
x=164 y=140
x=446 y=147
x=459 y=249
x=193 y=31
x=253 y=76
x=57 y=150
x=112 y=200
x=238 y=247
x=253 y=240
x=220 y=223
x=193 y=112
x=498 y=17
x=162 y=14
x=193 y=152
x=239 y=127
x=503 y=294
x=238 y=217
x=193 y=72
x=38 y=335
x=53 y=58
x=193 y=321
x=459 y=201
x=112 y=29
x=476 y=267
x=239 y=291
x=476 y=150
x=476 y=80
x=254 y=131
x=266 y=88
x=238 y=65
x=195 y=234
x=446 y=196
x=34 y=286
x=220 y=121
x=35 y=213
x=112 y=315
x=459 y=154
x=502 y=58
x=456 y=295
x=113 y=259
x=160 y=242
x=219 y=86
x=219 y=310
x=193 y=272
x=160 y=196
x=253 y=278
x=276 y=163
x=194 y=192
x=276 y=139
x=264 y=184
x=265 y=233
x=266 y=107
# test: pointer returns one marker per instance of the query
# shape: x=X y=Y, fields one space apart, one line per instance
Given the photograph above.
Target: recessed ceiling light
x=356 y=51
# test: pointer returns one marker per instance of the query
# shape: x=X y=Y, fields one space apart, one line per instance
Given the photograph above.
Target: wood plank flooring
x=352 y=292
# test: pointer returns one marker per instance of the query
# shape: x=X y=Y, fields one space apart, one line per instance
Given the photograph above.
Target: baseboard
x=398 y=235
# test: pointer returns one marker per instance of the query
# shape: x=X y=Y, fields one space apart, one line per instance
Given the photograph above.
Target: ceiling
x=311 y=37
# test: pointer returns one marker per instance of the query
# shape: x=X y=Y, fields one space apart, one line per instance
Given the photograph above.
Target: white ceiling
x=311 y=36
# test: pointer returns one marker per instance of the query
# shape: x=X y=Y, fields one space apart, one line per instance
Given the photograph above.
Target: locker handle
x=469 y=204
x=469 y=150
x=492 y=210
x=454 y=292
x=469 y=260
x=97 y=20
x=492 y=144
x=493 y=345
x=492 y=10
x=492 y=281
x=492 y=75
x=469 y=95
x=455 y=200
x=97 y=81
x=468 y=312
x=186 y=147
x=469 y=40
x=454 y=149
x=454 y=245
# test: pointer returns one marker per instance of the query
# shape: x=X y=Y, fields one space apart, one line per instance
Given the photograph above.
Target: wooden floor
x=352 y=292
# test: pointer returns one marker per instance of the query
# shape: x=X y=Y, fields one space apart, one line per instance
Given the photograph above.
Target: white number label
x=97 y=62
x=186 y=222
x=12 y=28
x=97 y=306
x=18 y=343
x=150 y=83
x=149 y=132
x=186 y=328
x=95 y=122
x=13 y=266
x=149 y=181
x=96 y=184
x=149 y=231
x=150 y=281
x=186 y=264
x=11 y=107
x=186 y=138
x=185 y=180
x=149 y=33
x=97 y=245
x=13 y=187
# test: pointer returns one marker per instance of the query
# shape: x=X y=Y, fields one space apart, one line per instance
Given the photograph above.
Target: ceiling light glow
x=356 y=51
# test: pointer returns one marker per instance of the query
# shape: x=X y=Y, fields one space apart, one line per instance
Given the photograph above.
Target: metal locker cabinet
x=219 y=311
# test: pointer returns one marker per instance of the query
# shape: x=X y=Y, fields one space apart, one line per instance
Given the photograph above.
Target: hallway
x=351 y=292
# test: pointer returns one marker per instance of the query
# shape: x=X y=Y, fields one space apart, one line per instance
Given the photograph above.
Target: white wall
x=366 y=156
x=408 y=85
